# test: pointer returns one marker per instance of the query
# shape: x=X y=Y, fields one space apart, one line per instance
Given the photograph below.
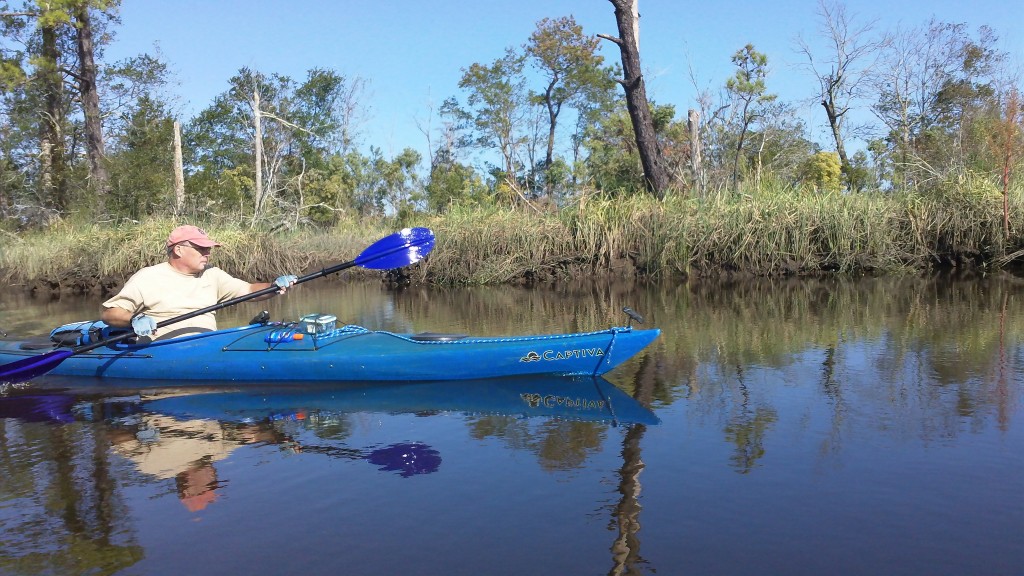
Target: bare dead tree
x=179 y=171
x=257 y=122
x=844 y=74
x=696 y=149
x=626 y=17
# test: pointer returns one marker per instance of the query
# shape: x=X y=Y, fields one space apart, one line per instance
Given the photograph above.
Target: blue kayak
x=319 y=352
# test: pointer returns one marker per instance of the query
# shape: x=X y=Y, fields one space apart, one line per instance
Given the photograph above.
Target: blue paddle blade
x=29 y=368
x=402 y=248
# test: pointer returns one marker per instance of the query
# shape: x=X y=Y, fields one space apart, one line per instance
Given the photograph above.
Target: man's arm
x=282 y=284
x=117 y=317
x=257 y=286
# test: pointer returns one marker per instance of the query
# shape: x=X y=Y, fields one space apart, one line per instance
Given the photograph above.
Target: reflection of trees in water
x=953 y=330
x=558 y=444
x=327 y=426
x=747 y=427
x=909 y=357
x=500 y=310
x=747 y=431
x=71 y=518
x=834 y=394
x=625 y=516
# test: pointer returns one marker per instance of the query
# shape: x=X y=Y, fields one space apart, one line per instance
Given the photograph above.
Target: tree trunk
x=91 y=109
x=52 y=169
x=834 y=122
x=179 y=171
x=696 y=150
x=655 y=175
x=549 y=155
x=744 y=124
x=258 y=145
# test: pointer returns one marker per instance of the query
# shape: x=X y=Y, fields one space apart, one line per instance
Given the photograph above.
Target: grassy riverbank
x=769 y=233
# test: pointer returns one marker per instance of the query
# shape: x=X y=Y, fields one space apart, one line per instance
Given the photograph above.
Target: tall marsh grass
x=78 y=257
x=772 y=231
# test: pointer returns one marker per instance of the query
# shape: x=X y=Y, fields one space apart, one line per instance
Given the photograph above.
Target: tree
x=141 y=173
x=400 y=182
x=613 y=164
x=303 y=127
x=35 y=100
x=496 y=111
x=139 y=137
x=931 y=86
x=844 y=74
x=626 y=18
x=822 y=171
x=52 y=170
x=89 y=94
x=572 y=69
x=452 y=183
x=779 y=144
x=747 y=90
x=58 y=37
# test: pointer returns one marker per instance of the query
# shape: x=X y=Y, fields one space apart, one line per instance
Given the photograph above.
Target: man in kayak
x=182 y=284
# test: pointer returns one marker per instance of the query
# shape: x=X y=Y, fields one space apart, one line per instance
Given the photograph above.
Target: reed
x=77 y=257
x=775 y=230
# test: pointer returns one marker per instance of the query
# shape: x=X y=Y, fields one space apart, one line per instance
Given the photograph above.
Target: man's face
x=192 y=258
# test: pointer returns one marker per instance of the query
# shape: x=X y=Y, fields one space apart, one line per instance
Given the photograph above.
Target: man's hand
x=285 y=282
x=144 y=325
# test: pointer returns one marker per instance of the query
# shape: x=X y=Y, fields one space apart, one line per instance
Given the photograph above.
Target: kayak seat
x=435 y=337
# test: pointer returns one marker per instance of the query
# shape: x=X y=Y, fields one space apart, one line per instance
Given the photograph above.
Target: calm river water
x=871 y=426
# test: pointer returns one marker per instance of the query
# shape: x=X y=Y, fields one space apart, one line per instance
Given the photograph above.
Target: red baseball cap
x=191 y=234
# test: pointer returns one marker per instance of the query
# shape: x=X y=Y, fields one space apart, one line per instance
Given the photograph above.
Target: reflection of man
x=196 y=485
x=186 y=450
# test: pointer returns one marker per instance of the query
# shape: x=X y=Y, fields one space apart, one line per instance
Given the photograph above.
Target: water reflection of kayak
x=587 y=399
x=579 y=398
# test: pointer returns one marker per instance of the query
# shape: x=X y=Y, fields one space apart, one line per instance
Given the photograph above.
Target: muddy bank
x=75 y=283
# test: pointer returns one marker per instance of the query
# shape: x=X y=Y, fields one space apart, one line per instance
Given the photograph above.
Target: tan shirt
x=162 y=292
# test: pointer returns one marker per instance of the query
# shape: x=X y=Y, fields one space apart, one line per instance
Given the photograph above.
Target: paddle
x=402 y=248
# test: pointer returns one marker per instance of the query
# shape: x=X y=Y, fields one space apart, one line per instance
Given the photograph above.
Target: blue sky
x=412 y=52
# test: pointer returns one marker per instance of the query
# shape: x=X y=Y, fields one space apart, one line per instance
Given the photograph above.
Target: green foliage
x=11 y=74
x=307 y=142
x=942 y=102
x=453 y=184
x=822 y=172
x=612 y=164
x=573 y=72
x=495 y=110
x=859 y=174
x=141 y=177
